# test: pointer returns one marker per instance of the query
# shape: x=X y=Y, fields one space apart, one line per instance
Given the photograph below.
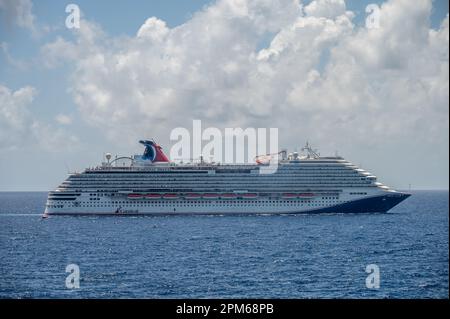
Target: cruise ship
x=150 y=184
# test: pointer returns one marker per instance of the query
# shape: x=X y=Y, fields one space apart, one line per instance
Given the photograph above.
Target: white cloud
x=13 y=114
x=384 y=84
x=325 y=8
x=320 y=77
x=58 y=51
x=63 y=119
x=203 y=65
x=153 y=29
x=19 y=128
x=19 y=13
x=10 y=59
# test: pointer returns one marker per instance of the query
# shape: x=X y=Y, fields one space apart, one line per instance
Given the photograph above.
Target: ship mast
x=311 y=153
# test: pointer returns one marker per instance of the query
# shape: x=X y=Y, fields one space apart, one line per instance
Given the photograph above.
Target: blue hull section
x=377 y=204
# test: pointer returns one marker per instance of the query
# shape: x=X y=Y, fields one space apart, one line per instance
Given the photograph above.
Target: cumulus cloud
x=19 y=128
x=320 y=76
x=325 y=8
x=385 y=84
x=153 y=29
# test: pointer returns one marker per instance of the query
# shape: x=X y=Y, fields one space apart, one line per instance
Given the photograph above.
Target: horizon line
x=399 y=190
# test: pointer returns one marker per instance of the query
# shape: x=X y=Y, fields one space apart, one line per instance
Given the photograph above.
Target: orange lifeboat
x=289 y=195
x=306 y=195
x=153 y=196
x=211 y=196
x=249 y=195
x=170 y=196
x=228 y=196
x=192 y=196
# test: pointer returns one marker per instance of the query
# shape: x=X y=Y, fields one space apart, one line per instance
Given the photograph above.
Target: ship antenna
x=311 y=153
x=67 y=167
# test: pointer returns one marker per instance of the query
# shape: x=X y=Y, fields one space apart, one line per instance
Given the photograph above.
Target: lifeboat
x=211 y=196
x=306 y=195
x=249 y=195
x=153 y=196
x=289 y=195
x=170 y=196
x=192 y=196
x=228 y=196
x=135 y=196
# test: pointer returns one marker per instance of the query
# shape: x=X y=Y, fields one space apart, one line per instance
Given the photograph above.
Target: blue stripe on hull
x=377 y=204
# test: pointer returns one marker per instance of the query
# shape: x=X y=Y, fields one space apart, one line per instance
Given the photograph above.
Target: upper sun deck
x=154 y=160
x=139 y=166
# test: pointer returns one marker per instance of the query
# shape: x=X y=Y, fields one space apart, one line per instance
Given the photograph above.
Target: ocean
x=266 y=256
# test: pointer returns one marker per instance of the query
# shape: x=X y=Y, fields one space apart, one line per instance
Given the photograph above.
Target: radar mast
x=311 y=153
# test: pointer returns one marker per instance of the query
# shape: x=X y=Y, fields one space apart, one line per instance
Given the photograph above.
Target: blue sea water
x=301 y=256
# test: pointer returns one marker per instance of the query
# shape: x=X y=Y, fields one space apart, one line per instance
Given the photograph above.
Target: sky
x=138 y=69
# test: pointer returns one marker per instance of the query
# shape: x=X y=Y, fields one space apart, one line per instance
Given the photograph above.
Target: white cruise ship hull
x=381 y=202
